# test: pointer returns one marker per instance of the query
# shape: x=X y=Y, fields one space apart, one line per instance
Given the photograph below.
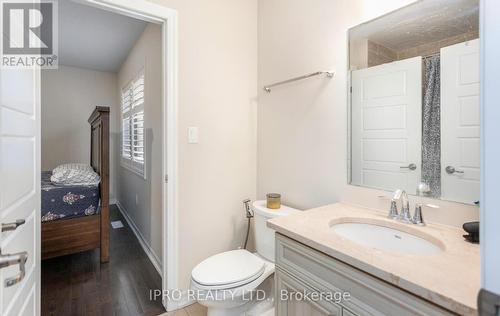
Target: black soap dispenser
x=472 y=229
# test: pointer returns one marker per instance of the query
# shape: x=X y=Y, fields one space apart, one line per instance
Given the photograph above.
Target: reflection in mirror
x=414 y=100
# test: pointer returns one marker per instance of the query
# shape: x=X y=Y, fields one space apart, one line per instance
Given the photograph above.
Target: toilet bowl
x=239 y=282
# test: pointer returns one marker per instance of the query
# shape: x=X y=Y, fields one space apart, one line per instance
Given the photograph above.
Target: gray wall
x=139 y=198
x=69 y=95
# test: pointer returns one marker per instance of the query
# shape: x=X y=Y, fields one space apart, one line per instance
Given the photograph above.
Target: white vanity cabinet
x=301 y=269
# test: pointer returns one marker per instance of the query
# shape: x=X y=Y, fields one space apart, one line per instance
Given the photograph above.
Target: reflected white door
x=20 y=192
x=460 y=122
x=387 y=125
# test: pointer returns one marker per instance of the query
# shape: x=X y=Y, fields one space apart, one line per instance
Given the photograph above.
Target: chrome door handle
x=452 y=170
x=411 y=166
x=7 y=260
x=12 y=226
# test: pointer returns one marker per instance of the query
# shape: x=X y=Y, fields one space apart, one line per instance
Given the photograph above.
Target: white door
x=387 y=125
x=460 y=122
x=19 y=192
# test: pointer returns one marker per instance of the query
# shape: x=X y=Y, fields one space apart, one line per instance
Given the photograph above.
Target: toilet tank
x=264 y=236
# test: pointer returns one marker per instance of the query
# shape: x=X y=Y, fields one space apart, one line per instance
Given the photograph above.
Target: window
x=133 y=125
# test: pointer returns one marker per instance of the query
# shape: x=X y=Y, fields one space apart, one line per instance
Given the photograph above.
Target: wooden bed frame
x=64 y=237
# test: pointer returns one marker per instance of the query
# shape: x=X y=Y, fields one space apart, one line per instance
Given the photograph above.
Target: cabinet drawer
x=288 y=304
x=369 y=295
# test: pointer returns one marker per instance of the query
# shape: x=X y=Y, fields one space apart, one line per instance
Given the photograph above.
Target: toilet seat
x=228 y=270
x=231 y=296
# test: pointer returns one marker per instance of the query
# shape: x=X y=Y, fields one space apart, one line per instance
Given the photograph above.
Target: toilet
x=239 y=282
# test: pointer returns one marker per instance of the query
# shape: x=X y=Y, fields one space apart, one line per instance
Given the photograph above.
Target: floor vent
x=117 y=224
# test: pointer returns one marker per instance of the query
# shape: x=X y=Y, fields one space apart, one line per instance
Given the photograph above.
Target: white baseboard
x=142 y=241
x=112 y=201
x=179 y=303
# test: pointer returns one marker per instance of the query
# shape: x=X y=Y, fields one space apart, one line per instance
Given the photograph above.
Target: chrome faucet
x=405 y=208
x=405 y=215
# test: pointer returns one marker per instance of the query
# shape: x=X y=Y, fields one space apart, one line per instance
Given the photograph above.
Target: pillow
x=70 y=166
x=75 y=177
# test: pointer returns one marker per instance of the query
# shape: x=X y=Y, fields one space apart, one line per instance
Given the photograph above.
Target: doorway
x=27 y=108
x=161 y=157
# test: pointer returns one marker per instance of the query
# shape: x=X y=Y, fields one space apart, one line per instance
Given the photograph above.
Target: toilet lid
x=228 y=268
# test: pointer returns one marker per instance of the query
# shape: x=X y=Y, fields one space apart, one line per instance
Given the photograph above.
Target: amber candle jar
x=273 y=201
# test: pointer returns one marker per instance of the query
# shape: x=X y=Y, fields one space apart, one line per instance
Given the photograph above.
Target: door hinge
x=166 y=178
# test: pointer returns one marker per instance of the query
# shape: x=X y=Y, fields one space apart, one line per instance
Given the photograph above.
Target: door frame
x=490 y=153
x=167 y=17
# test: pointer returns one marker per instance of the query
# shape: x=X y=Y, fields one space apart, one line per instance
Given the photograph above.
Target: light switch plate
x=193 y=136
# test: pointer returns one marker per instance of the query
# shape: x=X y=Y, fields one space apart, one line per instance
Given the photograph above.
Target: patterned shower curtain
x=431 y=126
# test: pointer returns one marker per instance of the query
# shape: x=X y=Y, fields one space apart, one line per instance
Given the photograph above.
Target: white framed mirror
x=414 y=100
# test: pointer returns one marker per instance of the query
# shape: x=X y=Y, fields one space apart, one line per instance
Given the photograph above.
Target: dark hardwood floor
x=79 y=285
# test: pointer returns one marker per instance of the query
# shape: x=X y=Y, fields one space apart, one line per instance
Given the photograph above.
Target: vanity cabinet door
x=346 y=312
x=291 y=300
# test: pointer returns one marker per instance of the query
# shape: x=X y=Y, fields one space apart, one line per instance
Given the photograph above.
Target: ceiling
x=93 y=38
x=420 y=23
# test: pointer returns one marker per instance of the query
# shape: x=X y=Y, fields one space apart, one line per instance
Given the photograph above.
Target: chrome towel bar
x=329 y=74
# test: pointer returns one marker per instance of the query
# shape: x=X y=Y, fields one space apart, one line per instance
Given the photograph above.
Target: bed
x=67 y=201
x=75 y=218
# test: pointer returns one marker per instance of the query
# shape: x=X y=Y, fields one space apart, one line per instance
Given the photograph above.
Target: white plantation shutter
x=133 y=125
x=138 y=137
x=137 y=87
x=126 y=101
x=126 y=145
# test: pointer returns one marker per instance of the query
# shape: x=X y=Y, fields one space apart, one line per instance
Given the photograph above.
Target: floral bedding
x=67 y=201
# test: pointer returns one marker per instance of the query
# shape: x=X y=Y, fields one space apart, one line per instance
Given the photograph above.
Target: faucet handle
x=393 y=212
x=418 y=217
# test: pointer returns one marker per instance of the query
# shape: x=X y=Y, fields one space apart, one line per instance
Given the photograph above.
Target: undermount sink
x=378 y=235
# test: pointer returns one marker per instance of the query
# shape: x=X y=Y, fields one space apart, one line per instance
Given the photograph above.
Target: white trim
x=155 y=260
x=170 y=164
x=38 y=168
x=151 y=12
x=186 y=300
x=113 y=201
x=490 y=151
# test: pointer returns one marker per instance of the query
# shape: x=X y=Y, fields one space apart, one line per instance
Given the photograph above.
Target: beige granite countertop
x=450 y=279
